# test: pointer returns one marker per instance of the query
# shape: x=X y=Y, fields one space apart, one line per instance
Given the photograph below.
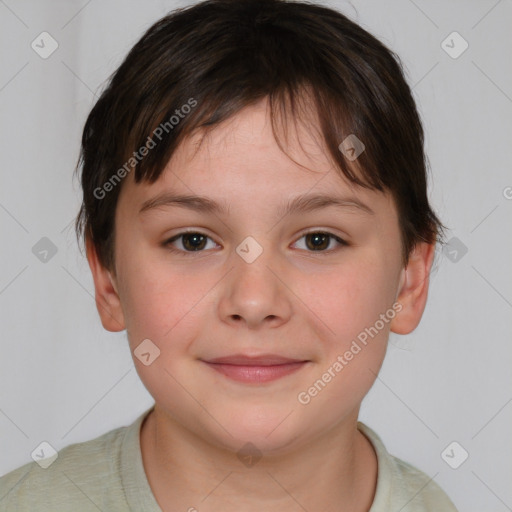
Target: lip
x=261 y=360
x=257 y=369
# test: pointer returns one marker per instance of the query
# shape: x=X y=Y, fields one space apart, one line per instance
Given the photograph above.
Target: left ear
x=413 y=291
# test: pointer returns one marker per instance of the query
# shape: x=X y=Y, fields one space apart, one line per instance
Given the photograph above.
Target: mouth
x=255 y=369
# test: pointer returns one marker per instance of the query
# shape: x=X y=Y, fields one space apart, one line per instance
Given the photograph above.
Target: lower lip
x=256 y=374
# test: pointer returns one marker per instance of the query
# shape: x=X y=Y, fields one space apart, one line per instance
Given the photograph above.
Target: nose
x=255 y=294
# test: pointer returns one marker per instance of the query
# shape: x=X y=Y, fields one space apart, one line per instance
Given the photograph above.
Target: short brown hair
x=229 y=54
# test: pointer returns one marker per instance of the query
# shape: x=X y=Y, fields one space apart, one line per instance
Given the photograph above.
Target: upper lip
x=262 y=360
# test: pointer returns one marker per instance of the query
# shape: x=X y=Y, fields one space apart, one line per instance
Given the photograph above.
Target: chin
x=271 y=430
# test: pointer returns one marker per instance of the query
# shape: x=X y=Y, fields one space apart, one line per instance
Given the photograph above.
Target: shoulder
x=401 y=486
x=422 y=491
x=80 y=478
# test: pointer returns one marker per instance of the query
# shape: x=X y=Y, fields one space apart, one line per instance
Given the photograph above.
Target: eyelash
x=167 y=244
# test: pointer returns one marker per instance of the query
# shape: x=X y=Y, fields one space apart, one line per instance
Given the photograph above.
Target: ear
x=106 y=295
x=413 y=288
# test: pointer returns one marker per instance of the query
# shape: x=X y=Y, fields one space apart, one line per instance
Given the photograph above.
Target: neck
x=334 y=472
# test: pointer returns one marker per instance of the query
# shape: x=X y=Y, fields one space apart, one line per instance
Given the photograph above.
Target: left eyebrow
x=311 y=202
x=300 y=204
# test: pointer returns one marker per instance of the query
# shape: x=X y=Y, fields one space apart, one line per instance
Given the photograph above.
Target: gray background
x=64 y=379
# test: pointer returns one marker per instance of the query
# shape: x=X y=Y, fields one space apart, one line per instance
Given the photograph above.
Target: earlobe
x=413 y=288
x=107 y=298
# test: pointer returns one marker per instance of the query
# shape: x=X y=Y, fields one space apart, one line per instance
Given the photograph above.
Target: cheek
x=356 y=303
x=352 y=298
x=350 y=302
x=164 y=303
x=166 y=306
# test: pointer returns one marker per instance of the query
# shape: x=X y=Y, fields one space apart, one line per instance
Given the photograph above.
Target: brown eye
x=317 y=241
x=191 y=241
x=320 y=241
x=194 y=241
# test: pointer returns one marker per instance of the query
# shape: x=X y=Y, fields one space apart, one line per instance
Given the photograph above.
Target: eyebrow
x=300 y=204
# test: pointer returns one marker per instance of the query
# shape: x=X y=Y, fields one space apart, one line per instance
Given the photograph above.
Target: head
x=250 y=105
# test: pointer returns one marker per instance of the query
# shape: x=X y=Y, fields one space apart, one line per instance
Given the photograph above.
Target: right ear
x=106 y=295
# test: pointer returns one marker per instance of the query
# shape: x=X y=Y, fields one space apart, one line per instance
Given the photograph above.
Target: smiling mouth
x=255 y=369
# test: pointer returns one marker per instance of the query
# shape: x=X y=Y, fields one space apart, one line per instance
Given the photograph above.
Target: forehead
x=240 y=160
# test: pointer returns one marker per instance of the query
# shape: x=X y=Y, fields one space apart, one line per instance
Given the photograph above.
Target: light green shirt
x=107 y=474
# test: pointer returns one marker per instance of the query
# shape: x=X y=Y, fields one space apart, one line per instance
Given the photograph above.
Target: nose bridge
x=254 y=293
x=256 y=255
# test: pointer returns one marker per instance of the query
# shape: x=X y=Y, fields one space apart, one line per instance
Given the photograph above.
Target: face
x=251 y=278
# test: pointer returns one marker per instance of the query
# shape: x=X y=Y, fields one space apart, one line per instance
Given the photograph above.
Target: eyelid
x=326 y=231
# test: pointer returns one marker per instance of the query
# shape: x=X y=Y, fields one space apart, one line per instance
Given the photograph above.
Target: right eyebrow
x=196 y=203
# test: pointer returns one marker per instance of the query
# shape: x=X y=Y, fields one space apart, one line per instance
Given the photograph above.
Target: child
x=255 y=216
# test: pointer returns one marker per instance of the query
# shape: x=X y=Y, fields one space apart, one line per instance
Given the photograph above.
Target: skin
x=292 y=300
